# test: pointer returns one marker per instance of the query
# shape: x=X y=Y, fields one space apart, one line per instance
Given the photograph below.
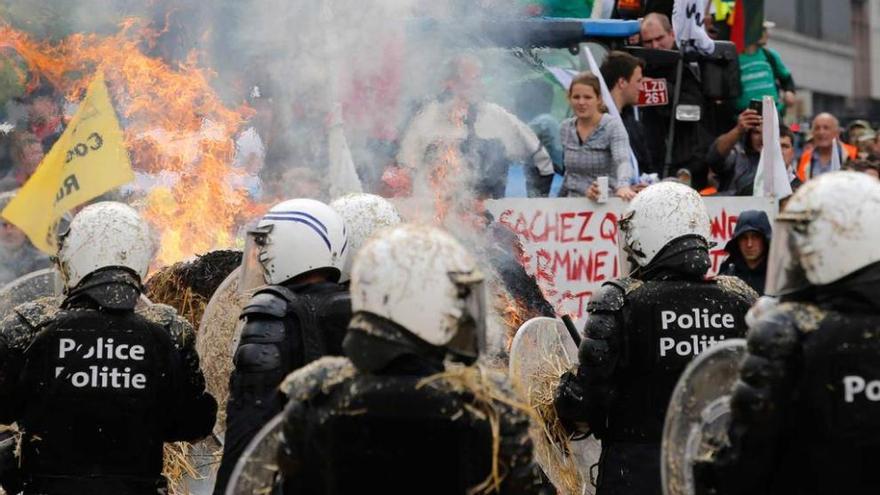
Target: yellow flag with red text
x=88 y=160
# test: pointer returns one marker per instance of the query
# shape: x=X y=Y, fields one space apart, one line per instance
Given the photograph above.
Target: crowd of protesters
x=717 y=154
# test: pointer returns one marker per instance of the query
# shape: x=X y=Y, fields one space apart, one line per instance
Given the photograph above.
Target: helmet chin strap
x=674 y=248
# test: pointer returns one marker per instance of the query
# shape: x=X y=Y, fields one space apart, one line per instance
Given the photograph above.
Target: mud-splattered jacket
x=405 y=428
x=806 y=408
x=97 y=386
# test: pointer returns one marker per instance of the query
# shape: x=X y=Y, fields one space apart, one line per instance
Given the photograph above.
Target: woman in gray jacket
x=595 y=144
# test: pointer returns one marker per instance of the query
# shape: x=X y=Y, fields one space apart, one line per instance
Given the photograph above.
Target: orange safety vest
x=803 y=170
x=709 y=191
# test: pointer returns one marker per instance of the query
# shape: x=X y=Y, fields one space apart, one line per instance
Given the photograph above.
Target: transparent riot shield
x=257 y=469
x=541 y=352
x=216 y=338
x=30 y=287
x=698 y=414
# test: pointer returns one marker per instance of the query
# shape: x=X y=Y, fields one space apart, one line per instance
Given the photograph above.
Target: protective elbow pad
x=257 y=358
x=263 y=331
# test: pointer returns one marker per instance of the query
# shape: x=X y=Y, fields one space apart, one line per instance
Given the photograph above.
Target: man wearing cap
x=748 y=250
x=858 y=129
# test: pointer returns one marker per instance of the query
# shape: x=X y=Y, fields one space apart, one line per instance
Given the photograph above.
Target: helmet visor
x=470 y=339
x=624 y=262
x=785 y=275
x=253 y=273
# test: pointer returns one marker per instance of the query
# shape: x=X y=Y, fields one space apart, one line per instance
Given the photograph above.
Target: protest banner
x=571 y=244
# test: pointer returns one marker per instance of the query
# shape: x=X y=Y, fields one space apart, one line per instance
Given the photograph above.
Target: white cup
x=603 y=189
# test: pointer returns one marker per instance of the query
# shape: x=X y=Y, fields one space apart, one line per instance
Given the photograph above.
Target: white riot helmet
x=827 y=231
x=421 y=278
x=363 y=214
x=294 y=237
x=660 y=214
x=104 y=235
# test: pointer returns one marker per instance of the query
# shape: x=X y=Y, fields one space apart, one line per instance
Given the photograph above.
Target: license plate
x=653 y=93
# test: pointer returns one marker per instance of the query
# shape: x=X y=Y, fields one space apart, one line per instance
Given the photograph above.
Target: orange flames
x=176 y=127
x=513 y=312
x=445 y=175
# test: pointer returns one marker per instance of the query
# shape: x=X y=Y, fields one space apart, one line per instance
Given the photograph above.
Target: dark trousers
x=629 y=469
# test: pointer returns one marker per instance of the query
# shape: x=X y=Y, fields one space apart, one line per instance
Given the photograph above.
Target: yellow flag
x=88 y=160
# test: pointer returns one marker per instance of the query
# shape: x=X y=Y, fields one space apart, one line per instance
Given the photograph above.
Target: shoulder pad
x=18 y=330
x=158 y=313
x=317 y=377
x=161 y=314
x=610 y=297
x=737 y=287
x=806 y=317
x=270 y=301
x=626 y=284
x=39 y=312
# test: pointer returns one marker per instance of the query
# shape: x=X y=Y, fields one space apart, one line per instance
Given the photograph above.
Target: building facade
x=832 y=48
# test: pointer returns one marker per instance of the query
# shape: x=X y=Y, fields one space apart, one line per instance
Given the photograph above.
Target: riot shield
x=200 y=475
x=257 y=469
x=215 y=340
x=541 y=352
x=29 y=287
x=698 y=414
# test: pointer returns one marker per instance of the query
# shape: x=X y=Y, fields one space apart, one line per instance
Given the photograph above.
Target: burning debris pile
x=188 y=286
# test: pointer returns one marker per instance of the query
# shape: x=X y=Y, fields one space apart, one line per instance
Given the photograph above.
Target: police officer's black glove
x=568 y=400
x=720 y=476
x=705 y=477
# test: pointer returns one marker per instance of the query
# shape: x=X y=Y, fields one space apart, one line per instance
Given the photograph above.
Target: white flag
x=835 y=156
x=771 y=178
x=344 y=176
x=612 y=107
x=688 y=23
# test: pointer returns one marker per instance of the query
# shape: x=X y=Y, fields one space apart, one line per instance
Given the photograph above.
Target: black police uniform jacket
x=639 y=337
x=404 y=427
x=285 y=329
x=806 y=408
x=97 y=387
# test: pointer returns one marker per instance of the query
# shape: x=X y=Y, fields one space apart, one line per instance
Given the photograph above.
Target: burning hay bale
x=188 y=286
x=518 y=296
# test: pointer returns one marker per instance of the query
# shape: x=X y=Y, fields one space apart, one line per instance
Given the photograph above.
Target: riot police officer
x=97 y=384
x=643 y=330
x=805 y=411
x=383 y=420
x=299 y=249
